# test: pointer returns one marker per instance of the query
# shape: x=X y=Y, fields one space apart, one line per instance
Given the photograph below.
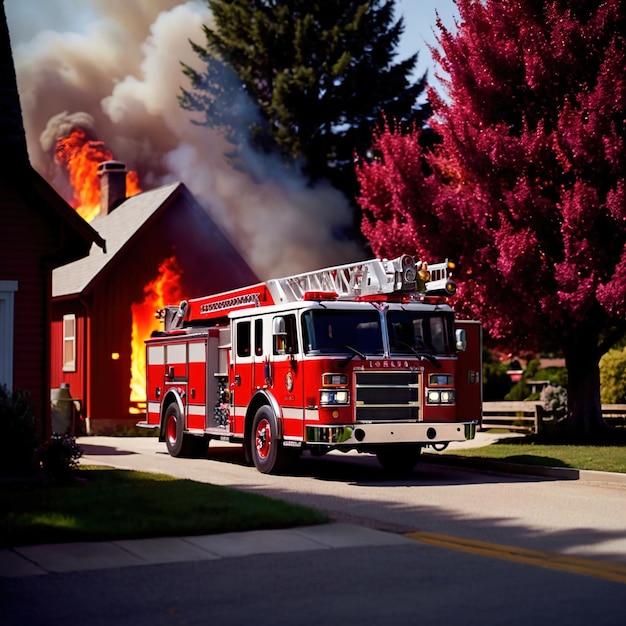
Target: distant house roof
x=118 y=228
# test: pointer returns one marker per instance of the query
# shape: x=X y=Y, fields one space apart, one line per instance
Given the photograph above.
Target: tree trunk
x=584 y=410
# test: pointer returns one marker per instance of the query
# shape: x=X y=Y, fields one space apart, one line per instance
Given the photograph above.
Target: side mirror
x=461 y=340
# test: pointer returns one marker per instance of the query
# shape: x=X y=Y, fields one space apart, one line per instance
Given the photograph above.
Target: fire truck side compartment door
x=469 y=373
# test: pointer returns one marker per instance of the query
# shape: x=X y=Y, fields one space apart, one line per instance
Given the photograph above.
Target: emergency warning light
x=408 y=273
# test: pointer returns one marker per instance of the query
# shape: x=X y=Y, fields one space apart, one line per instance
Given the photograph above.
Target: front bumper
x=426 y=433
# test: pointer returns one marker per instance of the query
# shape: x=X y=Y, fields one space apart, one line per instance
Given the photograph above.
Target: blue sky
x=419 y=17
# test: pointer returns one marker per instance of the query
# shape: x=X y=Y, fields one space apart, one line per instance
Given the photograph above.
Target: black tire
x=399 y=459
x=265 y=445
x=178 y=444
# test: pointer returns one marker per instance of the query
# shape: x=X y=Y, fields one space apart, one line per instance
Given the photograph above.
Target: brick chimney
x=112 y=185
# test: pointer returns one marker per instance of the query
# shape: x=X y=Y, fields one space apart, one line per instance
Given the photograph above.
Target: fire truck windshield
x=411 y=331
x=340 y=332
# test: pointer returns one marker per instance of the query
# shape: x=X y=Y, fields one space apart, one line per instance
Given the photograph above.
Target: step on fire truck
x=352 y=357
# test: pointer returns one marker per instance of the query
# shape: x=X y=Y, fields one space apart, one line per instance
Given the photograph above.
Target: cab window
x=243 y=339
x=258 y=337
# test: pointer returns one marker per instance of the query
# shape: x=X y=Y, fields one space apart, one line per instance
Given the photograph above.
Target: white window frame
x=7 y=331
x=69 y=365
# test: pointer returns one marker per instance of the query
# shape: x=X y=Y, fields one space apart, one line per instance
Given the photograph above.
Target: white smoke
x=121 y=73
x=61 y=125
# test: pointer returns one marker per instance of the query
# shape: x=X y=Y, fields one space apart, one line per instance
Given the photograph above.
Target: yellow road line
x=571 y=564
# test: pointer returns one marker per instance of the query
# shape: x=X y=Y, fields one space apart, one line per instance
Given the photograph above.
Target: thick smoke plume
x=118 y=77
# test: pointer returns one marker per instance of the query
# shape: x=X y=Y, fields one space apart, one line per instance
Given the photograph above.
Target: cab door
x=260 y=374
x=243 y=375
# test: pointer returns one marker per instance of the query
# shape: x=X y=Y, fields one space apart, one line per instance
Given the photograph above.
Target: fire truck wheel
x=177 y=443
x=399 y=459
x=267 y=453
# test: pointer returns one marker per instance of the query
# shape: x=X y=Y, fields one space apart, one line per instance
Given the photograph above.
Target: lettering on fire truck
x=363 y=356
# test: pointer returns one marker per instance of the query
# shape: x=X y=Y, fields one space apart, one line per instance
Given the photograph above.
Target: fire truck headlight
x=330 y=397
x=434 y=397
x=447 y=397
x=440 y=396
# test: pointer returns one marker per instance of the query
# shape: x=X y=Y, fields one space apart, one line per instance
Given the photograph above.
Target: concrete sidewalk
x=72 y=557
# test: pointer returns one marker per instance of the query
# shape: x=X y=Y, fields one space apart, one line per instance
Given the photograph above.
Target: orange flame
x=80 y=156
x=164 y=289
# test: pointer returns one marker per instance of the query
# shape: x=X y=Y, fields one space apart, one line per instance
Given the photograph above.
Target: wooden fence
x=516 y=416
x=529 y=416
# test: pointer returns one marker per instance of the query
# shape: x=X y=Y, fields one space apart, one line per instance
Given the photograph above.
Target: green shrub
x=19 y=430
x=58 y=458
x=613 y=377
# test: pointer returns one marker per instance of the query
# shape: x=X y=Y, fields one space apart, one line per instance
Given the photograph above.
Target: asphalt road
x=395 y=586
x=467 y=557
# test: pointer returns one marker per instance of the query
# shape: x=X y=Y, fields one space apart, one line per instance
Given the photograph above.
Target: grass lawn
x=606 y=458
x=109 y=504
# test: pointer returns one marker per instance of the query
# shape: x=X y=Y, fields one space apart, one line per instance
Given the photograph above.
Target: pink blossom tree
x=526 y=187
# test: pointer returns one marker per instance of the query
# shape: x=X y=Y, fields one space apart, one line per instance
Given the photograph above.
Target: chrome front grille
x=387 y=396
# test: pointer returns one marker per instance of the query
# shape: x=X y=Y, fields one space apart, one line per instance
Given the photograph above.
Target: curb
x=504 y=467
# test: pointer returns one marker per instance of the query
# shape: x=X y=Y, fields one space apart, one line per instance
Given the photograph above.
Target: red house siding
x=32 y=238
x=27 y=240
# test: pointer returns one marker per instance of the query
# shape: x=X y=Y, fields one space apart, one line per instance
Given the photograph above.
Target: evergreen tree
x=319 y=72
x=526 y=188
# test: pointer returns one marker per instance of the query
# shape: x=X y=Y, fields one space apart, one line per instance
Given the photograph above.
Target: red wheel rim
x=171 y=429
x=263 y=439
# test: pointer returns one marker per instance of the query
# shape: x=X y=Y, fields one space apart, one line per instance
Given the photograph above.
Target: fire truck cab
x=346 y=358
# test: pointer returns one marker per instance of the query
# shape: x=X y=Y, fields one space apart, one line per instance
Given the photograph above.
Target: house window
x=69 y=343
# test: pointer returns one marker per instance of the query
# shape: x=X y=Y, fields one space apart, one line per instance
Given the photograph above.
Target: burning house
x=161 y=246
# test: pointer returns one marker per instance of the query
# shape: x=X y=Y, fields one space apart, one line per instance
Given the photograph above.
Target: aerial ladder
x=376 y=277
x=366 y=280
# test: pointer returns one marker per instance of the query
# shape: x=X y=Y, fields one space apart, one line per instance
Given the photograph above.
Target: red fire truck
x=351 y=357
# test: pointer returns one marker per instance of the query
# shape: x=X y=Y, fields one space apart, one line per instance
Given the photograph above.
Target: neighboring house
x=161 y=247
x=38 y=232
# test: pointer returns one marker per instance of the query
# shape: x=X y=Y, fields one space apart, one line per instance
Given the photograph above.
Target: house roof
x=118 y=228
x=78 y=234
x=13 y=145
